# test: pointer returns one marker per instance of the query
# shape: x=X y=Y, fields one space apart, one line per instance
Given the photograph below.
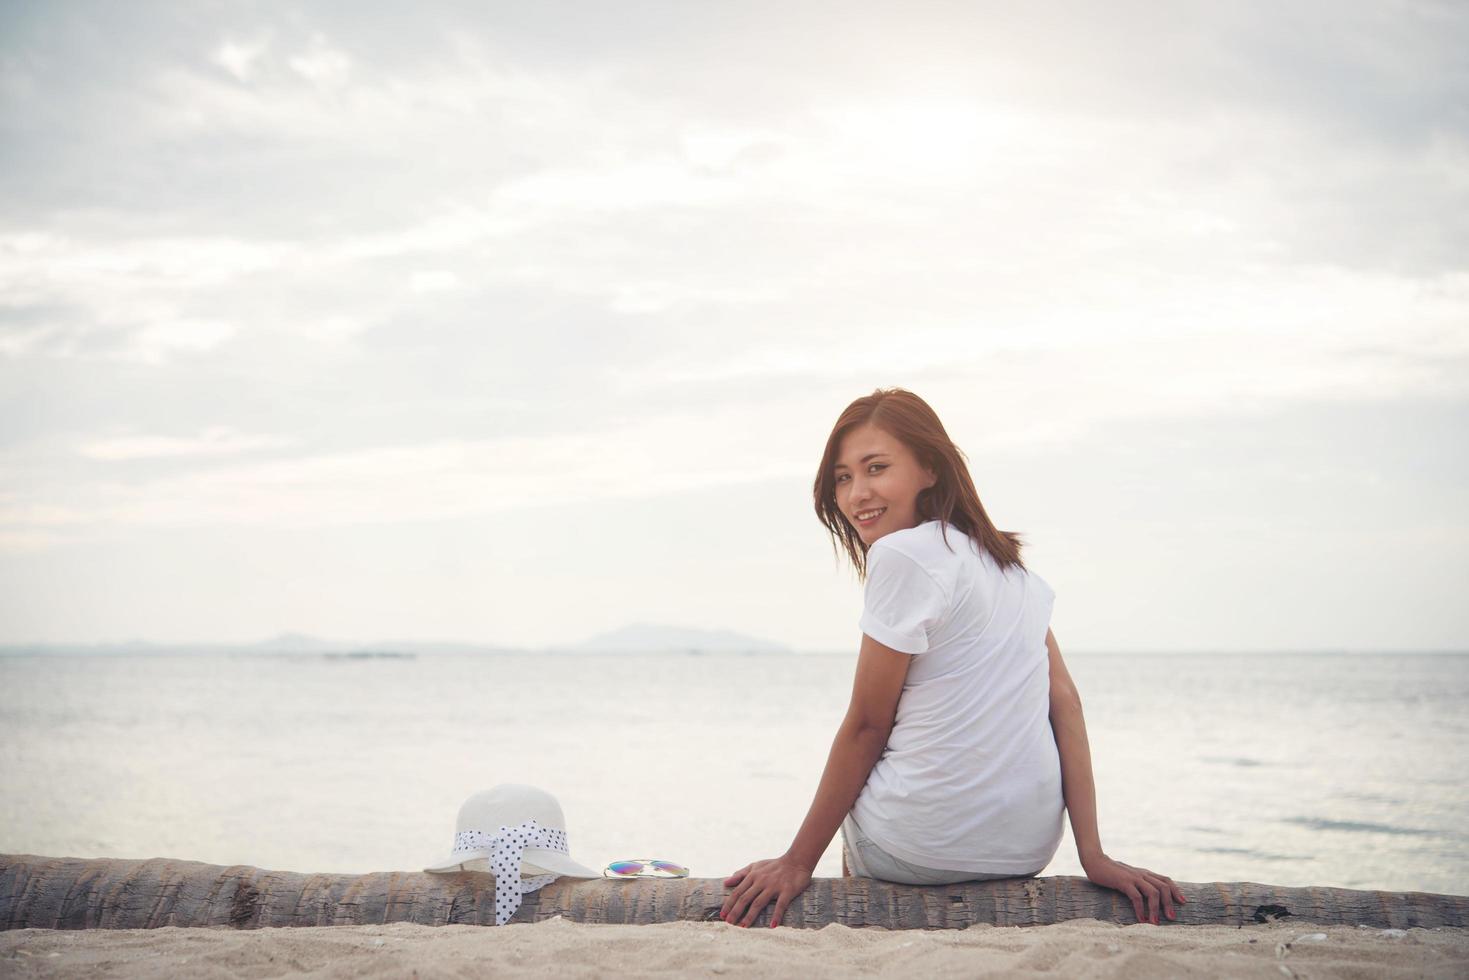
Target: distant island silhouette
x=655 y=638
x=634 y=638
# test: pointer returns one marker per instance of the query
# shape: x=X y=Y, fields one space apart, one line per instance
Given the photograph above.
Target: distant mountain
x=637 y=638
x=304 y=643
x=297 y=643
x=655 y=638
x=283 y=644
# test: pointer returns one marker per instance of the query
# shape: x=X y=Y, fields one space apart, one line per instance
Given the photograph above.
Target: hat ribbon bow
x=506 y=850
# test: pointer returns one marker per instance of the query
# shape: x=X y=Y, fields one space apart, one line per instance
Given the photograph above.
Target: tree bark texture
x=111 y=893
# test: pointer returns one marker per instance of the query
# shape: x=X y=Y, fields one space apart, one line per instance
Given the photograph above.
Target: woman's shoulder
x=932 y=544
x=927 y=536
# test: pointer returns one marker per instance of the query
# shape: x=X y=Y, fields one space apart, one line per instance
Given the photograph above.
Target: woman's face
x=877 y=477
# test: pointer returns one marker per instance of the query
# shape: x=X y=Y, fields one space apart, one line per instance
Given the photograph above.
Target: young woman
x=964 y=742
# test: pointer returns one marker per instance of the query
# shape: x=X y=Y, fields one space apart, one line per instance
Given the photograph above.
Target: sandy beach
x=1080 y=948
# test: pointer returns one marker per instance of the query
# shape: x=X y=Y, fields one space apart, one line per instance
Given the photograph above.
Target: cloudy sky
x=514 y=323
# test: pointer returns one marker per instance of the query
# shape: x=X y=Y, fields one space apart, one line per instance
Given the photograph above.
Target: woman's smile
x=875 y=483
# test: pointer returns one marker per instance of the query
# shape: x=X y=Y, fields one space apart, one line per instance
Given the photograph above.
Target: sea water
x=1291 y=769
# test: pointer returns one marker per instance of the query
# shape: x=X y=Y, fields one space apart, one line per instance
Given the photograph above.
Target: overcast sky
x=518 y=322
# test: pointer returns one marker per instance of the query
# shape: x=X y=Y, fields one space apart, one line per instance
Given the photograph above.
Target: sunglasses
x=644 y=868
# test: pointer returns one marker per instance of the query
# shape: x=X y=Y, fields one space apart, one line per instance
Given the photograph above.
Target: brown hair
x=952 y=500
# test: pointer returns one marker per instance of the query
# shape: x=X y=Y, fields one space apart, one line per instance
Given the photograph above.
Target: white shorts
x=866 y=860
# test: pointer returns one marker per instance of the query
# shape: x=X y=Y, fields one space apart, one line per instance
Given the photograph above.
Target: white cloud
x=37 y=515
x=125 y=299
x=453 y=229
x=433 y=281
x=87 y=259
x=467 y=107
x=425 y=481
x=322 y=64
x=159 y=339
x=722 y=148
x=33 y=527
x=927 y=138
x=657 y=296
x=631 y=187
x=1150 y=347
x=332 y=329
x=16 y=341
x=213 y=441
x=28 y=541
x=239 y=57
x=999 y=213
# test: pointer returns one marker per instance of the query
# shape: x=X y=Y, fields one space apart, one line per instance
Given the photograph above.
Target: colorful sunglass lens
x=670 y=867
x=625 y=867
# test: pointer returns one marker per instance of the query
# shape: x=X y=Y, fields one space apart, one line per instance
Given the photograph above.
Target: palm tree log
x=113 y=893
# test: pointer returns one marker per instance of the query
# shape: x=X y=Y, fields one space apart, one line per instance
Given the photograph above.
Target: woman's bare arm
x=854 y=752
x=858 y=745
x=1069 y=725
x=1152 y=894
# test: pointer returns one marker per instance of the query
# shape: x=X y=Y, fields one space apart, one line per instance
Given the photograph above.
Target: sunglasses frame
x=642 y=872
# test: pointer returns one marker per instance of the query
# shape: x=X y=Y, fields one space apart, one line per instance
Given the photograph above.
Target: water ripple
x=1352 y=826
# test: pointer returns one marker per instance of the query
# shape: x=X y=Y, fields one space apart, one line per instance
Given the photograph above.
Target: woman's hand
x=1138 y=884
x=755 y=885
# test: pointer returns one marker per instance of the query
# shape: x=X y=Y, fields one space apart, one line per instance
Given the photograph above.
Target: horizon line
x=771 y=648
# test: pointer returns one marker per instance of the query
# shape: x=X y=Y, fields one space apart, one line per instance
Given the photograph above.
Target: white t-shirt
x=970 y=779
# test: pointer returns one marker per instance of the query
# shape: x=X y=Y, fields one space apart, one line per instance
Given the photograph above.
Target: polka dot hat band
x=506 y=849
x=508 y=830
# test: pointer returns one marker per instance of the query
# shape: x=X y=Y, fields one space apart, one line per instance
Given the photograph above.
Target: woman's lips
x=871 y=520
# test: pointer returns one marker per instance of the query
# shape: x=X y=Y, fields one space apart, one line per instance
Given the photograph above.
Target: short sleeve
x=1040 y=599
x=902 y=603
x=1047 y=596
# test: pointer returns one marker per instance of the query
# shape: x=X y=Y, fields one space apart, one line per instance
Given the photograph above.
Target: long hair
x=952 y=500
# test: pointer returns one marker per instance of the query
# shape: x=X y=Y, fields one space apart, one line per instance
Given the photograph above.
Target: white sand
x=557 y=947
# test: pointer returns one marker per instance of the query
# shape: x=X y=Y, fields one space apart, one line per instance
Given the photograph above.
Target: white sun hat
x=508 y=831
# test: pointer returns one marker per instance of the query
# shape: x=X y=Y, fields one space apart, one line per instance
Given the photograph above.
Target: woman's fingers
x=727 y=910
x=1144 y=895
x=1177 y=892
x=733 y=904
x=1133 y=892
x=1164 y=895
x=761 y=900
x=781 y=903
x=1152 y=895
x=1155 y=896
x=758 y=885
x=737 y=902
x=733 y=881
x=1171 y=893
x=1170 y=896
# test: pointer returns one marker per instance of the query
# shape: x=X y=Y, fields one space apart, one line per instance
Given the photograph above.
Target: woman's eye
x=877 y=466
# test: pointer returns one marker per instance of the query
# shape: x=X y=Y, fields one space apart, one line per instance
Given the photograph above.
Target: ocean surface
x=1291 y=769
